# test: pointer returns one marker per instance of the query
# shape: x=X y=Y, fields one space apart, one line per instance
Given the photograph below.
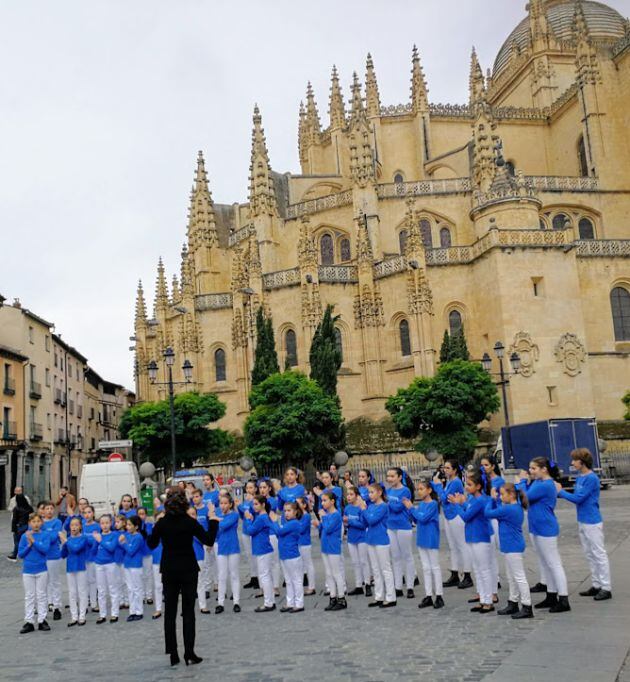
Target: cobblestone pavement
x=359 y=644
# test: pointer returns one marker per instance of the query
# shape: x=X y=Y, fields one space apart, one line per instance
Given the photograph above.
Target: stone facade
x=508 y=213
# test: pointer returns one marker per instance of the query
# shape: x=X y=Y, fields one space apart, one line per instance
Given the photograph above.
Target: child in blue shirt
x=427 y=518
x=288 y=529
x=585 y=497
x=249 y=492
x=491 y=468
x=266 y=490
x=292 y=489
x=133 y=544
x=306 y=549
x=75 y=548
x=33 y=550
x=507 y=508
x=53 y=526
x=400 y=532
x=107 y=576
x=331 y=527
x=355 y=524
x=258 y=528
x=90 y=526
x=228 y=551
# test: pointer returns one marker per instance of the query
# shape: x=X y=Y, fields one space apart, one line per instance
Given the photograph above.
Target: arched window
x=398 y=178
x=219 y=365
x=425 y=231
x=339 y=342
x=543 y=224
x=454 y=321
x=620 y=304
x=445 y=238
x=560 y=221
x=402 y=241
x=586 y=229
x=582 y=162
x=405 y=343
x=290 y=346
x=344 y=249
x=326 y=249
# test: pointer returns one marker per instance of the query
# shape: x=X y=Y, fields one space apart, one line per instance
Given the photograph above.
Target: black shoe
x=265 y=609
x=149 y=601
x=368 y=590
x=80 y=623
x=355 y=592
x=602 y=595
x=247 y=586
x=286 y=609
x=43 y=626
x=465 y=582
x=192 y=659
x=305 y=580
x=236 y=609
x=174 y=659
x=411 y=594
x=26 y=628
x=113 y=619
x=510 y=609
x=130 y=619
x=156 y=615
x=561 y=606
x=375 y=603
x=255 y=583
x=100 y=621
x=476 y=609
x=204 y=611
x=219 y=609
x=439 y=602
x=341 y=604
x=416 y=581
x=399 y=593
x=591 y=592
x=538 y=587
x=12 y=558
x=332 y=602
x=72 y=623
x=297 y=609
x=525 y=612
x=453 y=581
x=56 y=614
x=474 y=600
x=550 y=600
x=388 y=604
x=486 y=609
x=208 y=593
x=425 y=603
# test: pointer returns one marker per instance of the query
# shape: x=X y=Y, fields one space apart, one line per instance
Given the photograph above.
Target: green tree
x=626 y=401
x=454 y=347
x=149 y=426
x=445 y=348
x=446 y=409
x=266 y=358
x=292 y=420
x=325 y=357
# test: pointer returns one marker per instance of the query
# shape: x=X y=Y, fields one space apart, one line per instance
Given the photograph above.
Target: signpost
x=116 y=457
x=114 y=444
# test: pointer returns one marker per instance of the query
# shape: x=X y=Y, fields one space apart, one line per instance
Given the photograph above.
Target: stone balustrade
x=346 y=274
x=213 y=301
x=281 y=278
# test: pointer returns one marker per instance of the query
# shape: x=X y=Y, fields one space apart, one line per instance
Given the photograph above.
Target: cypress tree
x=445 y=349
x=325 y=357
x=459 y=347
x=266 y=358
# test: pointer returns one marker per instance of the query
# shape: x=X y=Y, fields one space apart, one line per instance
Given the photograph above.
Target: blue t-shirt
x=356 y=524
x=211 y=496
x=157 y=554
x=364 y=491
x=258 y=529
x=330 y=526
x=510 y=518
x=477 y=527
x=134 y=542
x=227 y=534
x=375 y=517
x=497 y=482
x=34 y=556
x=453 y=487
x=106 y=551
x=75 y=550
x=586 y=498
x=427 y=517
x=53 y=528
x=88 y=529
x=305 y=530
x=398 y=518
x=542 y=497
x=288 y=539
x=291 y=493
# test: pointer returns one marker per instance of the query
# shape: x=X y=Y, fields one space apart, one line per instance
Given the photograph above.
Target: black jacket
x=176 y=532
x=21 y=512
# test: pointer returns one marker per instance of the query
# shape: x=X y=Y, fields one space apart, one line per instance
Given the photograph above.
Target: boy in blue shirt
x=33 y=550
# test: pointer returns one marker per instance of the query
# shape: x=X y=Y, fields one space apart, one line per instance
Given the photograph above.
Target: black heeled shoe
x=174 y=659
x=192 y=659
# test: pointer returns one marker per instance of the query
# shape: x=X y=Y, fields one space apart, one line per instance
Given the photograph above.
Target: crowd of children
x=110 y=567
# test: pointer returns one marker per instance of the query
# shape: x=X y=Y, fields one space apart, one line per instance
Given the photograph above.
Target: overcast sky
x=104 y=104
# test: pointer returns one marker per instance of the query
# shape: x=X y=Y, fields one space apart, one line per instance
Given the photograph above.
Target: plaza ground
x=591 y=643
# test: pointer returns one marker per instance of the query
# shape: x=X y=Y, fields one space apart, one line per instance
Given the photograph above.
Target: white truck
x=104 y=483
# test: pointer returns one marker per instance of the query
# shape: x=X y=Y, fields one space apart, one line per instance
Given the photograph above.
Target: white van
x=104 y=483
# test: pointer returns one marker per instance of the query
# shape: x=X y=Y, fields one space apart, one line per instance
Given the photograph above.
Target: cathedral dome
x=604 y=23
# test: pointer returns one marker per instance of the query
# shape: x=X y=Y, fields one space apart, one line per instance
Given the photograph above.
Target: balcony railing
x=9 y=386
x=9 y=431
x=37 y=431
x=35 y=391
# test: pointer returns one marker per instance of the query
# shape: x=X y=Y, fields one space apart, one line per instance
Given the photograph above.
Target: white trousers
x=210 y=575
x=517 y=579
x=54 y=567
x=133 y=578
x=461 y=561
x=592 y=539
x=401 y=547
x=294 y=577
x=547 y=549
x=201 y=585
x=123 y=593
x=247 y=548
x=431 y=571
x=360 y=563
x=108 y=584
x=147 y=576
x=263 y=569
x=494 y=541
x=334 y=576
x=481 y=553
x=541 y=566
x=158 y=600
x=78 y=594
x=35 y=593
x=275 y=562
x=306 y=552
x=90 y=568
x=229 y=567
x=381 y=562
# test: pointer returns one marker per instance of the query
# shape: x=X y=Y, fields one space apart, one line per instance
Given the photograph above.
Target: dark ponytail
x=550 y=465
x=493 y=463
x=457 y=466
x=478 y=477
x=264 y=502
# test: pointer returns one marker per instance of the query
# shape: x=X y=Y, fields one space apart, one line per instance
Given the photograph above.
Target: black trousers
x=172 y=590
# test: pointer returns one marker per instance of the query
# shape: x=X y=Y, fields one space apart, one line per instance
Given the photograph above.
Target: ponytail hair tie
x=552 y=464
x=372 y=479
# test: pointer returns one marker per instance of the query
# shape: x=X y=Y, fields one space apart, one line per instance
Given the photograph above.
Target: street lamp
x=515 y=362
x=169 y=361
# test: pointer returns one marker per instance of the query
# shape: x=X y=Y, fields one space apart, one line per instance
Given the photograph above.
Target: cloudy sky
x=104 y=104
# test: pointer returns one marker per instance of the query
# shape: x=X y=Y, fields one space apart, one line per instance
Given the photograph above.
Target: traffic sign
x=116 y=457
x=114 y=444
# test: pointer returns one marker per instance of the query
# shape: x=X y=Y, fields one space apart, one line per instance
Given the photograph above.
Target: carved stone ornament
x=571 y=353
x=528 y=352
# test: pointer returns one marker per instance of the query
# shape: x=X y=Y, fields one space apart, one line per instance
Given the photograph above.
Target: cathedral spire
x=419 y=92
x=141 y=306
x=303 y=136
x=356 y=103
x=312 y=115
x=372 y=98
x=541 y=35
x=175 y=290
x=262 y=196
x=186 y=278
x=586 y=62
x=336 y=110
x=365 y=255
x=202 y=229
x=476 y=83
x=161 y=289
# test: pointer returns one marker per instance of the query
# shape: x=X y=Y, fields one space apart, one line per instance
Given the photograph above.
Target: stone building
x=507 y=214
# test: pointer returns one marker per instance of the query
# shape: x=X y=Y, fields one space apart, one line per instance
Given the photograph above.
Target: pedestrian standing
x=19 y=521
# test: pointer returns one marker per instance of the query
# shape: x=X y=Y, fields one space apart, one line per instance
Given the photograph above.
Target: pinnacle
x=369 y=63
